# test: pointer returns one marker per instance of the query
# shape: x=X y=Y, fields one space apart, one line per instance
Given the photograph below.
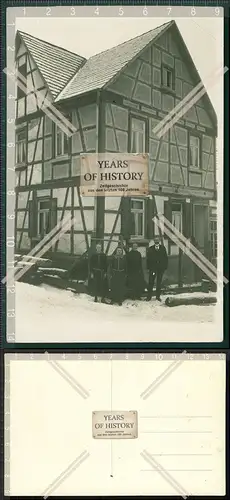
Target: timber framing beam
x=100 y=200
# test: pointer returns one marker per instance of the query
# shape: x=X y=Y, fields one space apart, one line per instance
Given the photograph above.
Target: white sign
x=114 y=424
x=114 y=174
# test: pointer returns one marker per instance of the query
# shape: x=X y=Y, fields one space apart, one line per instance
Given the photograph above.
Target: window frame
x=168 y=69
x=39 y=211
x=60 y=132
x=136 y=212
x=197 y=168
x=145 y=133
x=177 y=212
x=213 y=237
x=20 y=143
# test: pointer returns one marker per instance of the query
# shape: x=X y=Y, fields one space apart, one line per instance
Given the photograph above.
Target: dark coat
x=98 y=262
x=98 y=268
x=157 y=260
x=118 y=272
x=136 y=281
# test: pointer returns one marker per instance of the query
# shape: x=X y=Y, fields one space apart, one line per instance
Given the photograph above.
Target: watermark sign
x=115 y=424
x=112 y=174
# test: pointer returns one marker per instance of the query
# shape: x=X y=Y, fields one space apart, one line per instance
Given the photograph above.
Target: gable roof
x=56 y=65
x=70 y=75
x=101 y=68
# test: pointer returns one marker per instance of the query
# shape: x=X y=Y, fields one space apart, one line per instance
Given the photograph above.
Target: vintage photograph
x=118 y=267
x=135 y=427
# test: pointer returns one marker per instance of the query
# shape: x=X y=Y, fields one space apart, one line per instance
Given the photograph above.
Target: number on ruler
x=9 y=242
x=11 y=313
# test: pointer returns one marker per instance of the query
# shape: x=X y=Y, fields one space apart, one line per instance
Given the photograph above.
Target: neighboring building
x=115 y=99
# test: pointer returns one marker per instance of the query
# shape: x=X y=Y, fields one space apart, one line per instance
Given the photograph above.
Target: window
x=194 y=151
x=21 y=147
x=22 y=72
x=177 y=216
x=167 y=78
x=213 y=237
x=137 y=218
x=62 y=143
x=137 y=135
x=43 y=217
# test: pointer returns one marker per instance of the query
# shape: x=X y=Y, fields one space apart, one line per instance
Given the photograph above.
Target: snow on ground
x=47 y=314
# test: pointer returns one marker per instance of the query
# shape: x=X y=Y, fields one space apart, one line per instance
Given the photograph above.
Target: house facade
x=115 y=100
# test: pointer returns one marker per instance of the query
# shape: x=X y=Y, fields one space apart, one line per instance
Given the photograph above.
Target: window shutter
x=53 y=213
x=187 y=220
x=32 y=219
x=126 y=229
x=167 y=213
x=149 y=209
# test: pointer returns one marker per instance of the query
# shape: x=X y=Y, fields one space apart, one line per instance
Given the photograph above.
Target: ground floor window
x=177 y=216
x=42 y=216
x=137 y=218
x=213 y=237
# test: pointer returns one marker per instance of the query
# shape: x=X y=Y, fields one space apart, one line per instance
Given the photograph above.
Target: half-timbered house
x=114 y=99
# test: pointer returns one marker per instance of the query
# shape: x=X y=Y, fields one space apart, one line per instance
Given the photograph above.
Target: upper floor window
x=21 y=147
x=194 y=151
x=62 y=143
x=138 y=129
x=167 y=78
x=137 y=218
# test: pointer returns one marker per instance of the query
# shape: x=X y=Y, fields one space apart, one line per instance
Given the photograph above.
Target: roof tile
x=56 y=64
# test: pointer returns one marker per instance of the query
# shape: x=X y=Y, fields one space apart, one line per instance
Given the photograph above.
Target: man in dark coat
x=118 y=272
x=98 y=272
x=136 y=282
x=157 y=263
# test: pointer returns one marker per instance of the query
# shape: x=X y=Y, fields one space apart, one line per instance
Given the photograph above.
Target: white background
x=183 y=420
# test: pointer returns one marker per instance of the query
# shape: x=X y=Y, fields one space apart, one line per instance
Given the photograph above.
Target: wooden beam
x=100 y=200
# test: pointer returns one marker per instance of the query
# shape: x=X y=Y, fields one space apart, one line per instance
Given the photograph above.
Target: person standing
x=98 y=272
x=157 y=263
x=118 y=272
x=135 y=274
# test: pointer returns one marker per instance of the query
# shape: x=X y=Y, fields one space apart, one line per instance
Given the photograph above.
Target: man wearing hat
x=157 y=263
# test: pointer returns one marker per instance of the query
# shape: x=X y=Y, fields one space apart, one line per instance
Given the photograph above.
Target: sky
x=88 y=36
